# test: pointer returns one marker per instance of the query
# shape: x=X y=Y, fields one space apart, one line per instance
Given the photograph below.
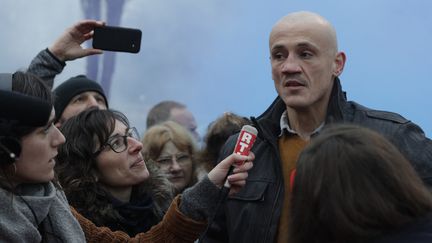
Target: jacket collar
x=268 y=123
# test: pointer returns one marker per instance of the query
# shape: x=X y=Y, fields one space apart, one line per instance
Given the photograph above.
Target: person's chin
x=44 y=179
x=146 y=174
x=142 y=176
x=50 y=176
x=295 y=102
x=179 y=184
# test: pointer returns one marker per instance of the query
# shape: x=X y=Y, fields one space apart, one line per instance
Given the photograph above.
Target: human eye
x=47 y=128
x=100 y=99
x=305 y=53
x=182 y=157
x=277 y=55
x=116 y=142
x=132 y=133
x=78 y=99
x=164 y=160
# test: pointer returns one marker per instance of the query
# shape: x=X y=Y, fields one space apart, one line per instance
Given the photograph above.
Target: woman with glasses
x=106 y=180
x=33 y=205
x=171 y=148
x=105 y=177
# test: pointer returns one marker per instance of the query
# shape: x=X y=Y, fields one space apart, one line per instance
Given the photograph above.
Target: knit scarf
x=35 y=213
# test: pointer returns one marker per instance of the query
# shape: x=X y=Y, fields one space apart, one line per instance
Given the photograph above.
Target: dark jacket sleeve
x=46 y=66
x=417 y=148
x=217 y=232
x=408 y=137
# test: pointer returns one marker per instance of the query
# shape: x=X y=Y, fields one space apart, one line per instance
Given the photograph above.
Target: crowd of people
x=323 y=169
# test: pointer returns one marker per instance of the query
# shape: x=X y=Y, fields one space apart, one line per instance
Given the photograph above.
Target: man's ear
x=339 y=63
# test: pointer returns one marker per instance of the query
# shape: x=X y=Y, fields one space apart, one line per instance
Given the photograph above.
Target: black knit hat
x=72 y=87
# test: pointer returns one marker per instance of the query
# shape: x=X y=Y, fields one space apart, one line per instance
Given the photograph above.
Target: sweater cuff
x=181 y=225
x=63 y=64
x=46 y=66
x=199 y=201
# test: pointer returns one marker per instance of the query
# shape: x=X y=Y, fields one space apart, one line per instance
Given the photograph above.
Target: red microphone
x=243 y=145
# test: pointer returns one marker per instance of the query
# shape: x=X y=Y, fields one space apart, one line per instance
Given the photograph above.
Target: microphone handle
x=226 y=187
x=226 y=183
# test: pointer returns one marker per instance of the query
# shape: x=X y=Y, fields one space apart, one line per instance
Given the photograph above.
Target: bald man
x=306 y=64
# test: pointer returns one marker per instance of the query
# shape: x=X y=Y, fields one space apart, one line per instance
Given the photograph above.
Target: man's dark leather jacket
x=252 y=215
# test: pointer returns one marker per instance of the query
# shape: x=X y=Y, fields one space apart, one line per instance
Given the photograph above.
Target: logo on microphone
x=244 y=143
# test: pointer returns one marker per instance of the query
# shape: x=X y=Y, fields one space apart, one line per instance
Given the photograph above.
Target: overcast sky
x=212 y=55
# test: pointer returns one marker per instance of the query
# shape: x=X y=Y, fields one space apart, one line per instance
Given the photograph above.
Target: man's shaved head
x=308 y=21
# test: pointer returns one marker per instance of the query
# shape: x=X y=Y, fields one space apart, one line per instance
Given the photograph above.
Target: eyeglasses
x=118 y=143
x=180 y=158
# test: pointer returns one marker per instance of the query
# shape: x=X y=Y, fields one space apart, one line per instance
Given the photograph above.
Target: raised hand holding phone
x=67 y=47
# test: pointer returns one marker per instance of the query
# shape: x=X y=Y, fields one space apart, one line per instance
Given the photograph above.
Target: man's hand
x=68 y=46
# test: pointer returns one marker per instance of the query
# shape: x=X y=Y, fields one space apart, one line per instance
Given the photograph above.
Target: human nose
x=92 y=102
x=134 y=145
x=291 y=65
x=175 y=166
x=59 y=138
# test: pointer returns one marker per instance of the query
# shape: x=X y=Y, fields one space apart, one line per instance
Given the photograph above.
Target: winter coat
x=253 y=214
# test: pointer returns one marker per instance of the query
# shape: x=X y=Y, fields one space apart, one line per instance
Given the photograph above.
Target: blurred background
x=213 y=55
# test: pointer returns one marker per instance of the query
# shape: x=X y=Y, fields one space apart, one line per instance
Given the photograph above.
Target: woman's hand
x=237 y=179
x=68 y=46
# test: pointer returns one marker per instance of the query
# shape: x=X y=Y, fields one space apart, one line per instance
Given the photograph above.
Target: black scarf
x=137 y=215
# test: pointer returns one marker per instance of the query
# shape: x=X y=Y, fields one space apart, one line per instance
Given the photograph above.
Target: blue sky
x=212 y=55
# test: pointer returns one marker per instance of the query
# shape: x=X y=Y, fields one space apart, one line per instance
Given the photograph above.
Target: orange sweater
x=290 y=147
x=175 y=227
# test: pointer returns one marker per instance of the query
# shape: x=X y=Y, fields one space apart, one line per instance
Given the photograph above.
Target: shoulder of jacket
x=378 y=114
x=386 y=115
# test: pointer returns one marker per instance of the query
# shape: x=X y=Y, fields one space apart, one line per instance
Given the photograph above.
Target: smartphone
x=112 y=38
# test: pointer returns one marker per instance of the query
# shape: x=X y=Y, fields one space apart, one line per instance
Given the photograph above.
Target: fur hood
x=160 y=189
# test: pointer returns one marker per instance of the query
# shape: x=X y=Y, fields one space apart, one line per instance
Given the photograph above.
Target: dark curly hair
x=76 y=165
